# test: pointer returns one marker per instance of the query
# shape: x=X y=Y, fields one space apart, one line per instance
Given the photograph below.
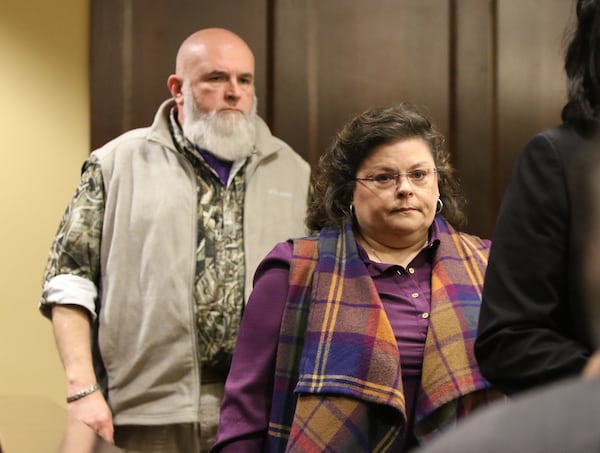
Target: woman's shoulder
x=453 y=243
x=477 y=241
x=444 y=227
x=282 y=251
x=285 y=250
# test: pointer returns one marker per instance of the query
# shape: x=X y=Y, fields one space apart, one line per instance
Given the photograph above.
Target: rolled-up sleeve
x=73 y=268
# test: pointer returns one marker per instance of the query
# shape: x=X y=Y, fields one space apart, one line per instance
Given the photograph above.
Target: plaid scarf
x=338 y=382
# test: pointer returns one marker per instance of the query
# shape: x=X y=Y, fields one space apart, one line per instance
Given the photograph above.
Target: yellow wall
x=44 y=124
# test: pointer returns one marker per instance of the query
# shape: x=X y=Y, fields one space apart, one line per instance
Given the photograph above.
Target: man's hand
x=592 y=368
x=95 y=413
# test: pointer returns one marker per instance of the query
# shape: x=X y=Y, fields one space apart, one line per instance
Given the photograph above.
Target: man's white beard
x=229 y=136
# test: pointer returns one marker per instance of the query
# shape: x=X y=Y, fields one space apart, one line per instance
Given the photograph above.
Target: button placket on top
x=419 y=296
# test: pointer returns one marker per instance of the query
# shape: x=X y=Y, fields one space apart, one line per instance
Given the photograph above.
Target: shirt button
x=415 y=295
x=411 y=270
x=425 y=315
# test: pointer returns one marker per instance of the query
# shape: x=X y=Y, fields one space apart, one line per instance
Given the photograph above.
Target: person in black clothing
x=533 y=326
x=558 y=417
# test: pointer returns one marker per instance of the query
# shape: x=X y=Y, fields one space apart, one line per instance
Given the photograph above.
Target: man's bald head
x=207 y=42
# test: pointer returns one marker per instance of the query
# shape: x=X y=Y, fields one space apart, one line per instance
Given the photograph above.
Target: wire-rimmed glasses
x=417 y=177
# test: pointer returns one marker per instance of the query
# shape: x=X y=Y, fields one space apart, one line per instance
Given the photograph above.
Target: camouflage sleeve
x=76 y=246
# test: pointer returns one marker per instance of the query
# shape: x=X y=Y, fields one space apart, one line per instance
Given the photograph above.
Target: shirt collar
x=428 y=252
x=180 y=141
x=186 y=147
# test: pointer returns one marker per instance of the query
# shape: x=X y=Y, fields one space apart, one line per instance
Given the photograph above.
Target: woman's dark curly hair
x=334 y=178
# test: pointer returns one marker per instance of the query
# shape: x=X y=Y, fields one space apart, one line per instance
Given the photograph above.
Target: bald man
x=153 y=260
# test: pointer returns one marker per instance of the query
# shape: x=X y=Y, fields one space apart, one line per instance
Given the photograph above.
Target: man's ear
x=174 y=84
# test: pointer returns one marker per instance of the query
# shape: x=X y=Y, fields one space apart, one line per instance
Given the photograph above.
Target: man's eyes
x=225 y=78
x=216 y=77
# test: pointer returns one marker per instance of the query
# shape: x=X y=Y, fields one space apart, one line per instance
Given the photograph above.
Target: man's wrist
x=82 y=393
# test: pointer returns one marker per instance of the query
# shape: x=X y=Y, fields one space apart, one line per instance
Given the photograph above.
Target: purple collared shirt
x=221 y=166
x=406 y=297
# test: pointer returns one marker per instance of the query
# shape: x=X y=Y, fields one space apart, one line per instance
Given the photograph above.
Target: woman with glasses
x=360 y=336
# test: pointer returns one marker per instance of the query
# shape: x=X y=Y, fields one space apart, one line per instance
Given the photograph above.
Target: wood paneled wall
x=489 y=72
